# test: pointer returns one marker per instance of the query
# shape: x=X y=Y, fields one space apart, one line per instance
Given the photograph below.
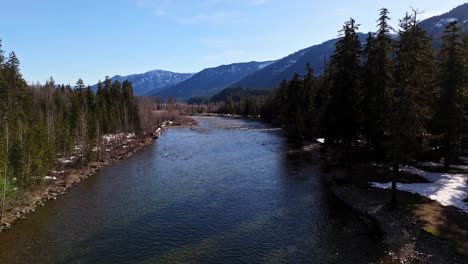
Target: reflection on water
x=229 y=191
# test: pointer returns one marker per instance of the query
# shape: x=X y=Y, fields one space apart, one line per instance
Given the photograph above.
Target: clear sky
x=69 y=39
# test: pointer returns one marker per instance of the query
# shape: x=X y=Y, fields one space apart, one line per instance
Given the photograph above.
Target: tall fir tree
x=378 y=83
x=449 y=116
x=413 y=92
x=343 y=114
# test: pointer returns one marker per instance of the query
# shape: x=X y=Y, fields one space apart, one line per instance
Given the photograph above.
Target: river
x=228 y=191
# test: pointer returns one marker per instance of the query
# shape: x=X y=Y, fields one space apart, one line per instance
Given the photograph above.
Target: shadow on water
x=231 y=191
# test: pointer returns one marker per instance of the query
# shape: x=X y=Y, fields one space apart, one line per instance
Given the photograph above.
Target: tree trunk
x=395 y=176
x=7 y=137
x=446 y=163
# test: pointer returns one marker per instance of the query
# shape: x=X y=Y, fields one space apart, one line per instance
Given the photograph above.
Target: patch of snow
x=50 y=178
x=445 y=188
x=65 y=161
x=445 y=21
x=320 y=140
x=440 y=165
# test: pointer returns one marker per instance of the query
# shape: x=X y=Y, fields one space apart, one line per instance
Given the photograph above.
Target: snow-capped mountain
x=152 y=80
x=211 y=80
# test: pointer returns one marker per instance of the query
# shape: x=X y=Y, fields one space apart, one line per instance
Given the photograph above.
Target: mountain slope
x=435 y=25
x=152 y=80
x=285 y=68
x=319 y=55
x=211 y=80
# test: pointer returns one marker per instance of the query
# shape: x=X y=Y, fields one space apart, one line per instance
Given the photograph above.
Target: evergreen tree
x=449 y=115
x=80 y=84
x=343 y=115
x=378 y=82
x=413 y=92
x=465 y=88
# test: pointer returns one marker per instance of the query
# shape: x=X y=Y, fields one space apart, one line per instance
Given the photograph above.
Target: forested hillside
x=151 y=81
x=42 y=123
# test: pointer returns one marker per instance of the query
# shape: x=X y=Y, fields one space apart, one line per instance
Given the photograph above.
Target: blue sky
x=90 y=39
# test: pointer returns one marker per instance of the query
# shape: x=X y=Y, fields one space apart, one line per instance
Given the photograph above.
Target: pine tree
x=413 y=92
x=80 y=84
x=343 y=114
x=465 y=87
x=378 y=82
x=449 y=115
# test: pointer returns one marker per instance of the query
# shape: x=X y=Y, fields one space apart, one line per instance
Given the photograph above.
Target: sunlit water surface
x=229 y=191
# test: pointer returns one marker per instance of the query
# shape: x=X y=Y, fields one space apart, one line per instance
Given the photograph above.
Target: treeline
x=394 y=95
x=242 y=101
x=41 y=123
x=233 y=100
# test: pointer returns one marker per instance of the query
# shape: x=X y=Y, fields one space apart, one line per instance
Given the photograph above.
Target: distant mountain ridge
x=268 y=75
x=319 y=55
x=435 y=25
x=285 y=68
x=152 y=80
x=211 y=80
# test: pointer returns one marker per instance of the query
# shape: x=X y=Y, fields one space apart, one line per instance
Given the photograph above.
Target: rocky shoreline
x=72 y=175
x=402 y=232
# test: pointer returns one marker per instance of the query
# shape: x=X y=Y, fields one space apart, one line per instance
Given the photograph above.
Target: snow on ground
x=440 y=165
x=320 y=140
x=445 y=188
x=444 y=21
x=109 y=137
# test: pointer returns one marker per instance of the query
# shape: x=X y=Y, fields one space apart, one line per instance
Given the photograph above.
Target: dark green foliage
x=343 y=111
x=198 y=100
x=236 y=93
x=378 y=83
x=40 y=123
x=414 y=89
x=448 y=119
x=465 y=87
x=413 y=94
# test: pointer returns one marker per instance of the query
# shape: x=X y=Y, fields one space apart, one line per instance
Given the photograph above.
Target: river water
x=229 y=191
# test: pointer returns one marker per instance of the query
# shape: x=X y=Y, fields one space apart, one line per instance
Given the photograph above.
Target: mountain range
x=152 y=80
x=265 y=75
x=212 y=80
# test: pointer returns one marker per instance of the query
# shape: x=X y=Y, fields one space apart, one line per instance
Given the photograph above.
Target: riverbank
x=418 y=230
x=68 y=172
